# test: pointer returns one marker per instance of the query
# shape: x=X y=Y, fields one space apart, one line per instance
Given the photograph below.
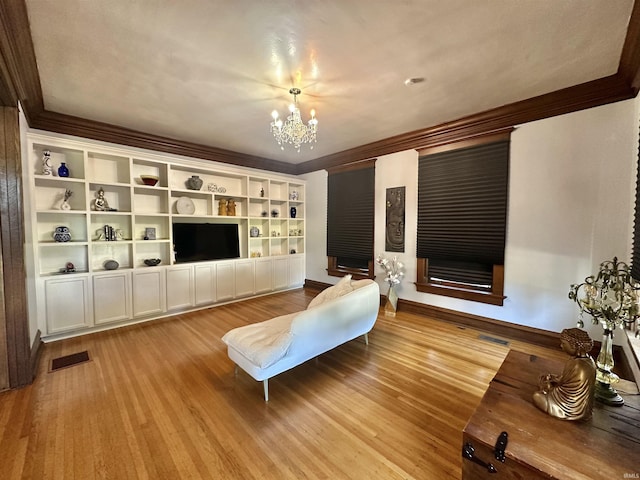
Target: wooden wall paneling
x=13 y=276
x=19 y=78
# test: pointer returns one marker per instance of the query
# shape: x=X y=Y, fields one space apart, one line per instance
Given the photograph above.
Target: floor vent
x=69 y=360
x=493 y=339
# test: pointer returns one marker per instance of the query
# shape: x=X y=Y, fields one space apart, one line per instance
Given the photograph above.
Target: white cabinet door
x=67 y=304
x=280 y=273
x=205 y=284
x=264 y=275
x=148 y=291
x=225 y=281
x=245 y=277
x=111 y=297
x=179 y=287
x=296 y=270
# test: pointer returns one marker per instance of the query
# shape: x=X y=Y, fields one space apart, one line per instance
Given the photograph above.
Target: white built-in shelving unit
x=92 y=297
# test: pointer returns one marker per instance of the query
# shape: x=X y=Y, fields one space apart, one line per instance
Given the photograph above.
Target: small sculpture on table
x=569 y=396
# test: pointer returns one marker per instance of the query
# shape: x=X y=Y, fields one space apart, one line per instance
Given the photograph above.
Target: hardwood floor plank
x=160 y=401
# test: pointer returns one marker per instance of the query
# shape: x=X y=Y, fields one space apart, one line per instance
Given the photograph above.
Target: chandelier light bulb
x=293 y=131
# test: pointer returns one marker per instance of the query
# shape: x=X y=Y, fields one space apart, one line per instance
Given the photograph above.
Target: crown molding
x=629 y=66
x=19 y=81
x=81 y=127
x=591 y=94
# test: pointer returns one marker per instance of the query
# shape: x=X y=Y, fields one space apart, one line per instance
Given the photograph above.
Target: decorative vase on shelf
x=194 y=183
x=65 y=205
x=62 y=234
x=111 y=265
x=63 y=171
x=293 y=212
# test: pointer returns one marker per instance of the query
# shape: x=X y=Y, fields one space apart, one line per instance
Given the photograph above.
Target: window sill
x=355 y=274
x=336 y=270
x=464 y=294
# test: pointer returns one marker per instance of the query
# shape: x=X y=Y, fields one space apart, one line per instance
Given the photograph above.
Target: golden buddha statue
x=569 y=396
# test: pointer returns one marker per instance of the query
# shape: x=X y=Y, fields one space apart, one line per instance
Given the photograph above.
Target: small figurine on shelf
x=68 y=268
x=65 y=201
x=101 y=203
x=222 y=207
x=231 y=207
x=46 y=163
x=275 y=213
x=262 y=192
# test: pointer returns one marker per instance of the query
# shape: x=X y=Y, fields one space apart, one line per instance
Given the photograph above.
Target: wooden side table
x=541 y=446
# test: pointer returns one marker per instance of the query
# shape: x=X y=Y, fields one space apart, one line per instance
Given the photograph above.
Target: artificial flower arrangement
x=393 y=269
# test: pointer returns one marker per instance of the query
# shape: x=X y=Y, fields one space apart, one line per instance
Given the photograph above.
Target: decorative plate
x=185 y=206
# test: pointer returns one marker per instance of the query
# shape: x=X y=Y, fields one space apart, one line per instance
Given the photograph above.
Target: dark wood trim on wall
x=36 y=351
x=13 y=275
x=522 y=333
x=510 y=331
x=70 y=125
x=19 y=78
x=629 y=67
x=591 y=94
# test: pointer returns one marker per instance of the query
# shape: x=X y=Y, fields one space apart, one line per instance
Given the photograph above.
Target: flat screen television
x=196 y=242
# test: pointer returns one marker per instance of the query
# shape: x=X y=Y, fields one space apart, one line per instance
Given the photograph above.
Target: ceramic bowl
x=152 y=262
x=150 y=180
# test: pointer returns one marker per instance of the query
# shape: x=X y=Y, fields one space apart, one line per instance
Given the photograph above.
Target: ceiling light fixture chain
x=292 y=130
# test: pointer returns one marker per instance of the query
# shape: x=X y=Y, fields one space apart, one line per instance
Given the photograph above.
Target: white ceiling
x=211 y=72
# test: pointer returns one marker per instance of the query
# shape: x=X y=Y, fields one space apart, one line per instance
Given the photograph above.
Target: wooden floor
x=160 y=401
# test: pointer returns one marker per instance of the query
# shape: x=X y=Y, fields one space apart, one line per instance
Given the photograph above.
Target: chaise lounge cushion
x=341 y=288
x=262 y=343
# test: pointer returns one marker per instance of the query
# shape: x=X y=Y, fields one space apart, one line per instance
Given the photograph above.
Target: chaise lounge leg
x=366 y=339
x=235 y=371
x=266 y=389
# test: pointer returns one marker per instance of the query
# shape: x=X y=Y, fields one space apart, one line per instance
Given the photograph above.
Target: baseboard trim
x=536 y=336
x=315 y=285
x=36 y=350
x=522 y=333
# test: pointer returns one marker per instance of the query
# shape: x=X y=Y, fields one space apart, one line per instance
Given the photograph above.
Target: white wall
x=571 y=195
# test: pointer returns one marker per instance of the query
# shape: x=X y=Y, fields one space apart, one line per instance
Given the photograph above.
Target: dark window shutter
x=350 y=214
x=635 y=254
x=462 y=211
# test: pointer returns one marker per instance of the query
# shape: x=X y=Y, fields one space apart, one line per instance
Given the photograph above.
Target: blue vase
x=294 y=212
x=63 y=171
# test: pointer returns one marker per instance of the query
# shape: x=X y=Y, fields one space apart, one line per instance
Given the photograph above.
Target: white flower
x=393 y=269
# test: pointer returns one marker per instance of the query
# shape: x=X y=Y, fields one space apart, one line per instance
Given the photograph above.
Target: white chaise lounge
x=336 y=315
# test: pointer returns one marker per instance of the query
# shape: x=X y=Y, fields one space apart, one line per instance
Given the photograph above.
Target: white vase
x=391 y=305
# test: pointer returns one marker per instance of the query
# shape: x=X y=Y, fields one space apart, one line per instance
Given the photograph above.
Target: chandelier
x=292 y=130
